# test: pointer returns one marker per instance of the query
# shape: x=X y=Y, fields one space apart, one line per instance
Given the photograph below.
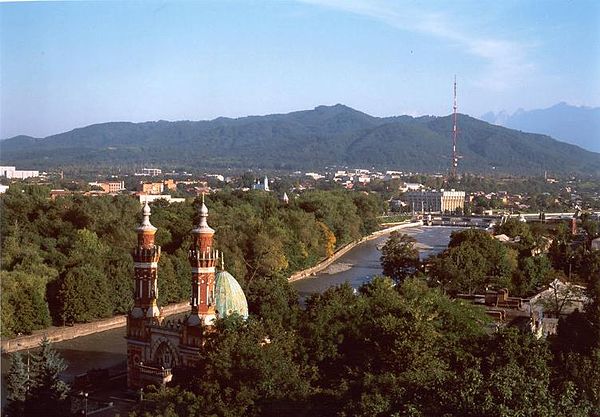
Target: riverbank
x=58 y=334
x=345 y=249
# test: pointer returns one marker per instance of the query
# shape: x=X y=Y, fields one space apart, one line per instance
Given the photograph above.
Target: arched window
x=164 y=356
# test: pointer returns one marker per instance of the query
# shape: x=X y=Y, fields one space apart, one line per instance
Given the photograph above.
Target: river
x=362 y=262
x=359 y=265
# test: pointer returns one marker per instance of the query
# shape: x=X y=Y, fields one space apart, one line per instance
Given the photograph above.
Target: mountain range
x=310 y=139
x=576 y=125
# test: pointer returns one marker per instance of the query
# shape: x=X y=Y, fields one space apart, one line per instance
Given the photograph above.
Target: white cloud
x=505 y=62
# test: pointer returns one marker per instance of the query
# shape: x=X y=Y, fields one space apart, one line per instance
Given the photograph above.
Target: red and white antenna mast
x=454 y=137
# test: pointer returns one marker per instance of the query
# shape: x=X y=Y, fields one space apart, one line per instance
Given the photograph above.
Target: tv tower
x=454 y=137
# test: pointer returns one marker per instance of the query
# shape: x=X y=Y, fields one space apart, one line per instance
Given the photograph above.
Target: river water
x=359 y=265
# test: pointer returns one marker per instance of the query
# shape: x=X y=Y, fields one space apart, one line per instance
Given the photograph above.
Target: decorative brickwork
x=154 y=347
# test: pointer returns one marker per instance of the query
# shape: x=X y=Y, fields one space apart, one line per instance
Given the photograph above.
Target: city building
x=54 y=194
x=171 y=184
x=537 y=314
x=149 y=172
x=314 y=175
x=411 y=186
x=156 y=347
x=110 y=187
x=218 y=177
x=435 y=201
x=14 y=173
x=149 y=198
x=262 y=185
x=3 y=188
x=152 y=187
x=392 y=175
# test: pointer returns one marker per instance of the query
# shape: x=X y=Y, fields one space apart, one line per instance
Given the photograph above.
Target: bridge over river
x=488 y=221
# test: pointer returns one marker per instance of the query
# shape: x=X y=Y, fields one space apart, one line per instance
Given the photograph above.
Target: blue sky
x=69 y=64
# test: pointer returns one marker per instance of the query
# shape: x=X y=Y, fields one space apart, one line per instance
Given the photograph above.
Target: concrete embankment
x=345 y=249
x=58 y=334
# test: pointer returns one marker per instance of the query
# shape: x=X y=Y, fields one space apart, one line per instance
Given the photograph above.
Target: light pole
x=85 y=398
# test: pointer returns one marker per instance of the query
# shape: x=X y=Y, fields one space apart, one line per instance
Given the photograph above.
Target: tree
x=120 y=271
x=559 y=296
x=17 y=385
x=24 y=308
x=591 y=227
x=577 y=352
x=473 y=261
x=267 y=253
x=274 y=301
x=48 y=392
x=36 y=389
x=329 y=239
x=460 y=269
x=532 y=274
x=369 y=207
x=515 y=374
x=399 y=257
x=83 y=295
x=168 y=284
x=243 y=371
x=169 y=402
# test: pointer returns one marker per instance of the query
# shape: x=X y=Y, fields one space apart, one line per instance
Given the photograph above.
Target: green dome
x=229 y=296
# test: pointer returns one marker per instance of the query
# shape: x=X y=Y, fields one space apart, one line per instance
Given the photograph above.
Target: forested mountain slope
x=311 y=139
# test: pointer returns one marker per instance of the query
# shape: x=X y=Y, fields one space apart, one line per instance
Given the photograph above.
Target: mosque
x=156 y=347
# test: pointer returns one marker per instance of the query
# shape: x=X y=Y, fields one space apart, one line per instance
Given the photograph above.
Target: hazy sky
x=70 y=64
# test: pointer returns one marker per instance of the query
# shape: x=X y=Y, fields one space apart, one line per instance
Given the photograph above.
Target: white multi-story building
x=13 y=173
x=315 y=176
x=149 y=172
x=411 y=186
x=149 y=198
x=435 y=201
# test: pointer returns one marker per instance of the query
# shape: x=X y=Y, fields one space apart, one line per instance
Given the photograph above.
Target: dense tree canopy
x=473 y=261
x=386 y=350
x=68 y=260
x=398 y=347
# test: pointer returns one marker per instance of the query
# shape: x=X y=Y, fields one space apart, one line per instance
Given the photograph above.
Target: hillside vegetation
x=312 y=139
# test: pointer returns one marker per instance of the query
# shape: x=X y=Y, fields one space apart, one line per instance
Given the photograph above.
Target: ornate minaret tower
x=202 y=258
x=145 y=311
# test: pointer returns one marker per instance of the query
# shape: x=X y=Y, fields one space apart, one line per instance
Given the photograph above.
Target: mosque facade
x=154 y=346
